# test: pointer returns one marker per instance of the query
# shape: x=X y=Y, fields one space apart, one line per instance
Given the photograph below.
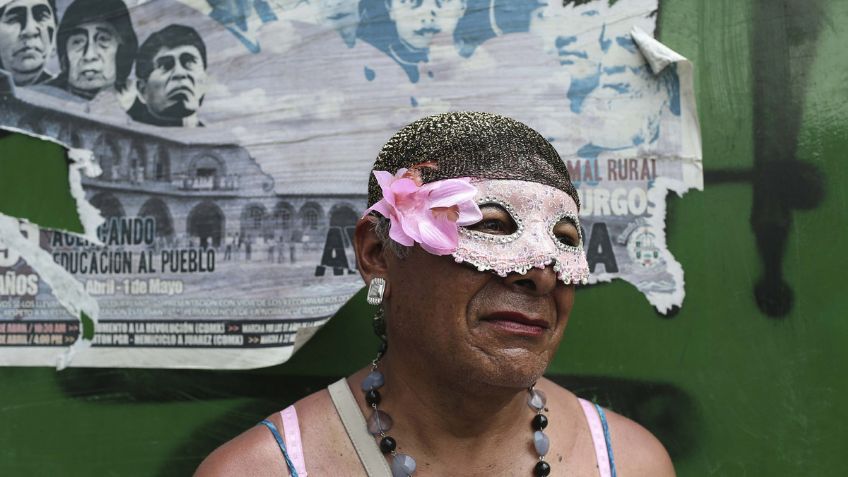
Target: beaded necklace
x=403 y=465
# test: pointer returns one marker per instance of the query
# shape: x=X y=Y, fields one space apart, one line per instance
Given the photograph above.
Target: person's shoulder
x=254 y=452
x=636 y=451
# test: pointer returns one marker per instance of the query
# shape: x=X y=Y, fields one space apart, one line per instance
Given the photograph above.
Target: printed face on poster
x=234 y=142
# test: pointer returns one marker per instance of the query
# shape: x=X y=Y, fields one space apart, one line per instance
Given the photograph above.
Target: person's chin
x=30 y=64
x=182 y=99
x=514 y=363
x=178 y=110
x=514 y=367
x=95 y=85
x=420 y=42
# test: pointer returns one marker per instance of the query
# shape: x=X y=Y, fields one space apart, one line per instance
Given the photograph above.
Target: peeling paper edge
x=656 y=54
x=89 y=215
x=70 y=292
x=655 y=220
x=81 y=160
x=66 y=289
x=658 y=196
x=658 y=57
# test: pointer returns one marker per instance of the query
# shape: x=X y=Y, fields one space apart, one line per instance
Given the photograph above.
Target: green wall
x=745 y=379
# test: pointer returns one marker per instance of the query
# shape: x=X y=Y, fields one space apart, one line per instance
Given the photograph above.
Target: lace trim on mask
x=524 y=263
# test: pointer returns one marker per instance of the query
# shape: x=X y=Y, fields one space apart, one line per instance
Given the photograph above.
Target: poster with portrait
x=222 y=149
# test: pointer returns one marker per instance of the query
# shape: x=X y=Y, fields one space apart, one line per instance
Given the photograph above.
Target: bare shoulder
x=637 y=452
x=255 y=452
x=252 y=453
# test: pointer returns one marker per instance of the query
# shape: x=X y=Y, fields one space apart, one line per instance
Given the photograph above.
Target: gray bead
x=402 y=465
x=537 y=400
x=541 y=442
x=374 y=380
x=379 y=421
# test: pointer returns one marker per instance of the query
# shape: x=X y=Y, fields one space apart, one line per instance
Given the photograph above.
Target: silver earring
x=376 y=289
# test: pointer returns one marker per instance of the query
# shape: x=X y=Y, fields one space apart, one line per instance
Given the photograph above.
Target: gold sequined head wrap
x=472 y=144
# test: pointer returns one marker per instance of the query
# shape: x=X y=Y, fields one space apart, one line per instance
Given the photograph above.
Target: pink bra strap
x=598 y=440
x=291 y=429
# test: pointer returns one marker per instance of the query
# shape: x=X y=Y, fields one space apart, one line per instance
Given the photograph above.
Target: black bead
x=379 y=326
x=387 y=444
x=372 y=397
x=542 y=469
x=384 y=346
x=540 y=422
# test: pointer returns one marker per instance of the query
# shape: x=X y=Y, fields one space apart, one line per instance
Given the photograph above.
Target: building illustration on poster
x=234 y=145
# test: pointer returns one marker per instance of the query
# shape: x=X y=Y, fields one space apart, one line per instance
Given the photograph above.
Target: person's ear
x=370 y=252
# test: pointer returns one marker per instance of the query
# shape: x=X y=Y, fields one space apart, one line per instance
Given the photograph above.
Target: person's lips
x=516 y=323
x=28 y=50
x=91 y=73
x=427 y=31
x=181 y=91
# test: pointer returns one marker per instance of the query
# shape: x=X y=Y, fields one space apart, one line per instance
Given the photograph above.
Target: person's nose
x=432 y=6
x=30 y=27
x=536 y=281
x=179 y=72
x=89 y=53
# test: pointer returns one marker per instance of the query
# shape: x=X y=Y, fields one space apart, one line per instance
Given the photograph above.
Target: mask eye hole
x=496 y=221
x=566 y=232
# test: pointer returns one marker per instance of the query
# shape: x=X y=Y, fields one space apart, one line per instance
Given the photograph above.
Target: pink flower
x=429 y=214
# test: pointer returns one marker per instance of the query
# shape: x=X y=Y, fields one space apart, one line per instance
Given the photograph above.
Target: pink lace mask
x=536 y=209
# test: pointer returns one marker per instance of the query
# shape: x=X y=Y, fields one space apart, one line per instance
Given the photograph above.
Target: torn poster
x=234 y=142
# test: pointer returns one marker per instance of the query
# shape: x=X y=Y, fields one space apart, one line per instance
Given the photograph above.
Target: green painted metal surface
x=746 y=379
